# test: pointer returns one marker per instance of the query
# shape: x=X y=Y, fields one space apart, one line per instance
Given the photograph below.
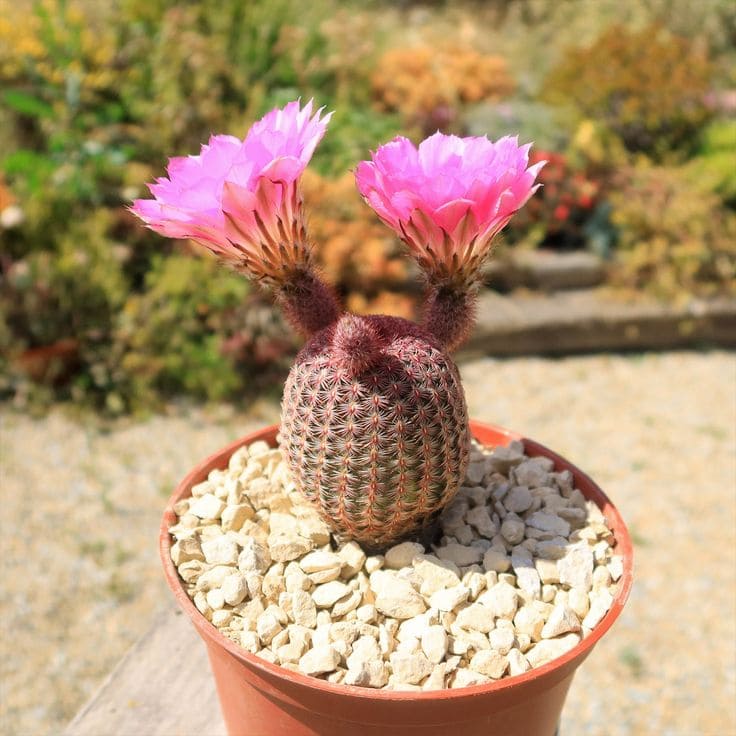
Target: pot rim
x=219 y=459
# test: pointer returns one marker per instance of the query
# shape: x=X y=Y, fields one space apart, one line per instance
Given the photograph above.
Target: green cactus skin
x=374 y=427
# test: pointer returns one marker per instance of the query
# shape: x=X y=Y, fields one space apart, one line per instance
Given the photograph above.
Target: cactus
x=374 y=422
x=374 y=427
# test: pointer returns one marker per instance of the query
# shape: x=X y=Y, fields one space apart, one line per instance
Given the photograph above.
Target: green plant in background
x=169 y=338
x=59 y=303
x=647 y=86
x=674 y=238
x=714 y=167
x=535 y=121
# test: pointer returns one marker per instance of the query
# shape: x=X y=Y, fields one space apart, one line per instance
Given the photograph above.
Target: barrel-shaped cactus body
x=374 y=427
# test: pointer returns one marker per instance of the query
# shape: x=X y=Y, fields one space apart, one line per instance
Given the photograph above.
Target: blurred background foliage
x=632 y=102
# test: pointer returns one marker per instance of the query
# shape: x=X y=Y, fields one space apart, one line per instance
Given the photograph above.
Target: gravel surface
x=520 y=571
x=82 y=501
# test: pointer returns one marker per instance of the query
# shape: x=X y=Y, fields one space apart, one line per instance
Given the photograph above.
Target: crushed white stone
x=524 y=568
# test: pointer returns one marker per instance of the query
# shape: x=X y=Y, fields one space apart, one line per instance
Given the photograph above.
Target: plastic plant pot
x=262 y=699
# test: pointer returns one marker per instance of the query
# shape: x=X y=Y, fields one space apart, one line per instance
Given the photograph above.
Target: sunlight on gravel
x=82 y=502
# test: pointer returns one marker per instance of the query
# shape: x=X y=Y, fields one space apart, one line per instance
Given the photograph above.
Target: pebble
x=346 y=604
x=524 y=569
x=527 y=577
x=267 y=626
x=599 y=606
x=496 y=560
x=368 y=613
x=576 y=567
x=616 y=567
x=402 y=555
x=562 y=620
x=601 y=577
x=501 y=600
x=435 y=643
x=319 y=659
x=352 y=557
x=547 y=570
x=311 y=527
x=291 y=652
x=476 y=617
x=449 y=599
x=502 y=640
x=304 y=609
x=518 y=499
x=490 y=663
x=250 y=642
x=578 y=600
x=476 y=582
x=552 y=549
x=480 y=519
x=220 y=551
x=410 y=668
x=549 y=649
x=320 y=561
x=436 y=679
x=254 y=557
x=235 y=515
x=460 y=554
x=529 y=620
x=502 y=459
x=532 y=474
x=474 y=472
x=468 y=678
x=373 y=673
x=435 y=574
x=547 y=522
x=215 y=599
x=296 y=579
x=234 y=589
x=398 y=599
x=512 y=530
x=328 y=594
x=186 y=549
x=373 y=563
x=518 y=663
x=284 y=548
x=207 y=507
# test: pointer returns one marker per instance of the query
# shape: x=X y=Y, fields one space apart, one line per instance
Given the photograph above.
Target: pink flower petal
x=448 y=216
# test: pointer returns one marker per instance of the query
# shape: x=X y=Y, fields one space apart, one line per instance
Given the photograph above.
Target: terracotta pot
x=262 y=699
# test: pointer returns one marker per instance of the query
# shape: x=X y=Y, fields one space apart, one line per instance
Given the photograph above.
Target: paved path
x=81 y=505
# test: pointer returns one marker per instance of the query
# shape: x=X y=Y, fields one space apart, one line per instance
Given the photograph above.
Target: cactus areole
x=374 y=423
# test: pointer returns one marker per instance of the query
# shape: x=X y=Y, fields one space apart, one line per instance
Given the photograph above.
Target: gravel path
x=81 y=505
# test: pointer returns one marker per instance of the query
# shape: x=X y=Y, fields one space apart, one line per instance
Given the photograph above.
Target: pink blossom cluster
x=446 y=198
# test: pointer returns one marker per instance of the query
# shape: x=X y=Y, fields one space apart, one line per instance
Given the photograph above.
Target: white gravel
x=450 y=612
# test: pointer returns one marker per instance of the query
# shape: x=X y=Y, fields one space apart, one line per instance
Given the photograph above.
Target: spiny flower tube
x=447 y=200
x=241 y=200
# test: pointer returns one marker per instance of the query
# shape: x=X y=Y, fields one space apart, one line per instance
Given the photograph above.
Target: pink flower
x=239 y=198
x=448 y=198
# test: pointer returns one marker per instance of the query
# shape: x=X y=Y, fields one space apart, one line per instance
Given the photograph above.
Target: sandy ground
x=81 y=505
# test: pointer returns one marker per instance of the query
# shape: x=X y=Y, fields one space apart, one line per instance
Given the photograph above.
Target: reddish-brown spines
x=379 y=450
x=449 y=312
x=356 y=344
x=307 y=302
